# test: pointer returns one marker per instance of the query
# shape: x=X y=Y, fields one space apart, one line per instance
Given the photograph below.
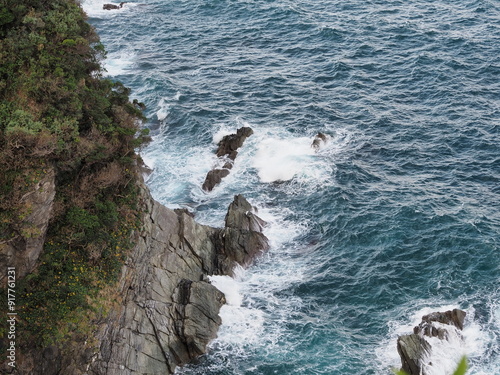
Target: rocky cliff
x=167 y=310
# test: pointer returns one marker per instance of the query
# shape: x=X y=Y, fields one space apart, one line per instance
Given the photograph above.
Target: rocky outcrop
x=166 y=310
x=170 y=310
x=227 y=152
x=415 y=349
x=242 y=240
x=113 y=6
x=232 y=142
x=27 y=238
x=214 y=178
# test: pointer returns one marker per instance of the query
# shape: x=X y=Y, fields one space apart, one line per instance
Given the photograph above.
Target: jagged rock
x=455 y=317
x=110 y=6
x=194 y=326
x=415 y=350
x=230 y=143
x=319 y=140
x=170 y=310
x=166 y=310
x=412 y=349
x=242 y=240
x=241 y=215
x=227 y=148
x=26 y=245
x=214 y=177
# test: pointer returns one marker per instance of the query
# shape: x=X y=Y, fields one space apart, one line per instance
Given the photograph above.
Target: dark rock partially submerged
x=319 y=140
x=415 y=350
x=232 y=142
x=242 y=240
x=214 y=177
x=113 y=6
x=227 y=149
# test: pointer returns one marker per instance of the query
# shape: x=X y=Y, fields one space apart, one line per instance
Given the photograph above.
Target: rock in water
x=412 y=349
x=415 y=350
x=110 y=6
x=214 y=177
x=227 y=149
x=242 y=240
x=113 y=6
x=242 y=215
x=455 y=317
x=232 y=142
x=319 y=141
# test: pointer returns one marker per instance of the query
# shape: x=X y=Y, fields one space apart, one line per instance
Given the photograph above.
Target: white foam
x=241 y=325
x=283 y=159
x=230 y=287
x=221 y=133
x=281 y=156
x=94 y=8
x=163 y=109
x=119 y=63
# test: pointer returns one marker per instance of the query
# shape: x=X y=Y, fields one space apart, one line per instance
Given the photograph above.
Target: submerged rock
x=319 y=140
x=415 y=350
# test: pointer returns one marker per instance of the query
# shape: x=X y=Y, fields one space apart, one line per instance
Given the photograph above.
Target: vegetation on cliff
x=58 y=114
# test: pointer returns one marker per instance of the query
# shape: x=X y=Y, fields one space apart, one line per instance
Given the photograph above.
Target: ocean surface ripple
x=398 y=215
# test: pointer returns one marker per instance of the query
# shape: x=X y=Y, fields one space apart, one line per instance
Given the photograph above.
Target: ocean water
x=397 y=215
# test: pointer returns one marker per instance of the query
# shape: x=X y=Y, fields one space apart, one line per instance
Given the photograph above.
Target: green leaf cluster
x=58 y=112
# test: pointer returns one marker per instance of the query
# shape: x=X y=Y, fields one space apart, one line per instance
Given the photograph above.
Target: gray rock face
x=23 y=250
x=415 y=350
x=227 y=148
x=170 y=312
x=412 y=349
x=167 y=311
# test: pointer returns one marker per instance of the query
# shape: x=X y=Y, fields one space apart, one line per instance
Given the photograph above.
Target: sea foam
x=94 y=8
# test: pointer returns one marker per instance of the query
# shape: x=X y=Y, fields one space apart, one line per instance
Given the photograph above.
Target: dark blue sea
x=397 y=215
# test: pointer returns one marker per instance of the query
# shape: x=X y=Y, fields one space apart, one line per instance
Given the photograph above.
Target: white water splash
x=163 y=109
x=283 y=159
x=94 y=8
